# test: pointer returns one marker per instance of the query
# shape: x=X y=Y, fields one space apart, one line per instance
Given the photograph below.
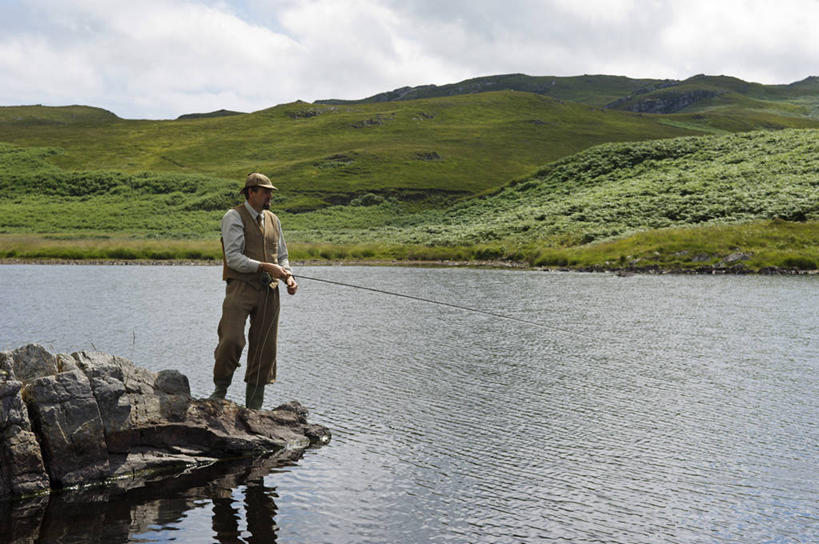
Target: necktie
x=259 y=221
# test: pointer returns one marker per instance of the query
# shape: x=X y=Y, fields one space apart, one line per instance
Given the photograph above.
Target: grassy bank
x=754 y=247
x=742 y=201
x=102 y=247
x=609 y=192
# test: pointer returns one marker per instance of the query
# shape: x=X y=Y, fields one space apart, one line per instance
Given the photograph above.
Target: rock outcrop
x=88 y=417
x=663 y=102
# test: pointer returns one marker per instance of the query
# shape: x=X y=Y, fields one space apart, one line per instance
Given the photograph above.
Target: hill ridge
x=664 y=96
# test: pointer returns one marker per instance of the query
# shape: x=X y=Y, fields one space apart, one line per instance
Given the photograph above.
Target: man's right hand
x=274 y=270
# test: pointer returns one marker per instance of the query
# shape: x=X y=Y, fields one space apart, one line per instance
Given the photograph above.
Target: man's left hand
x=292 y=286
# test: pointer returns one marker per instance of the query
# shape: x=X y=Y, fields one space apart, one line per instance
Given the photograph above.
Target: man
x=254 y=260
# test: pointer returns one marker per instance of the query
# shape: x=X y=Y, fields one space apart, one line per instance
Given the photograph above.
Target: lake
x=639 y=409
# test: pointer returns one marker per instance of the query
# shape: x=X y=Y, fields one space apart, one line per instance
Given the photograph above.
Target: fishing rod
x=431 y=301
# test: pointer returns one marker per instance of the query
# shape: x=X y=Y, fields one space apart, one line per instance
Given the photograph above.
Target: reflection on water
x=235 y=495
x=647 y=409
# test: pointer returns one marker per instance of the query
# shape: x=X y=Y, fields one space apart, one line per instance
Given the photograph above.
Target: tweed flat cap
x=258 y=180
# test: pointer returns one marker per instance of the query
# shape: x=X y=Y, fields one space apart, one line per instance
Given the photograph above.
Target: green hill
x=593 y=90
x=431 y=150
x=800 y=98
x=613 y=190
x=685 y=203
x=217 y=113
x=430 y=178
x=23 y=116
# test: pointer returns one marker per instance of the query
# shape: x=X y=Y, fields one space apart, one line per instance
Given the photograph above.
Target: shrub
x=488 y=253
x=369 y=199
x=799 y=263
x=122 y=253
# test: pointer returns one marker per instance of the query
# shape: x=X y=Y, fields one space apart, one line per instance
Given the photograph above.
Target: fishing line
x=431 y=301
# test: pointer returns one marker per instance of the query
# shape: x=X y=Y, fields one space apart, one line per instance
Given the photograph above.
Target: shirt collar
x=253 y=212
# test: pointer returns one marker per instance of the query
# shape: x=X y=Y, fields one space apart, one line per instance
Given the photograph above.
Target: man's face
x=259 y=198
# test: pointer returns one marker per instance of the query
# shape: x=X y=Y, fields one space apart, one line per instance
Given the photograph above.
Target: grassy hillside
x=24 y=116
x=426 y=149
x=217 y=113
x=800 y=98
x=436 y=178
x=686 y=202
x=744 y=200
x=593 y=90
x=616 y=189
x=728 y=103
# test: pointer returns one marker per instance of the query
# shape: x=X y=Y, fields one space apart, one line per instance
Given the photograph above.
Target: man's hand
x=274 y=270
x=292 y=286
x=280 y=273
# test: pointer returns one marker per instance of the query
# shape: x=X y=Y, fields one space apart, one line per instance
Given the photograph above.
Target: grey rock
x=295 y=407
x=66 y=418
x=428 y=156
x=22 y=471
x=6 y=366
x=663 y=102
x=174 y=392
x=145 y=406
x=110 y=418
x=66 y=363
x=13 y=410
x=736 y=256
x=33 y=361
x=21 y=521
x=317 y=434
x=112 y=401
x=172 y=382
x=107 y=383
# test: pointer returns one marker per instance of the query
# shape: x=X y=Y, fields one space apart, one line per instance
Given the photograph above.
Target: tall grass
x=105 y=248
x=565 y=214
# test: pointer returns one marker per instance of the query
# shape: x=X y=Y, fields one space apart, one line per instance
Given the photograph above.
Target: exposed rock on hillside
x=665 y=102
x=82 y=418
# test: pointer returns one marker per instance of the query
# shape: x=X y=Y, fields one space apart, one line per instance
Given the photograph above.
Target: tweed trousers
x=243 y=300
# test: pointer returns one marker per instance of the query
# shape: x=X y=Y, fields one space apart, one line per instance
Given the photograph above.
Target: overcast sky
x=159 y=59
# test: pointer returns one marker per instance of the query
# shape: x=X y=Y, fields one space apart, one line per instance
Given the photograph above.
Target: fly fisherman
x=254 y=260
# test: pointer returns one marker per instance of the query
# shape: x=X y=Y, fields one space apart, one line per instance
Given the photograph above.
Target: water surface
x=643 y=409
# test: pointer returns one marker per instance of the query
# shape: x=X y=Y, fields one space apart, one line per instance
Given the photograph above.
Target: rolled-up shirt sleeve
x=233 y=237
x=283 y=258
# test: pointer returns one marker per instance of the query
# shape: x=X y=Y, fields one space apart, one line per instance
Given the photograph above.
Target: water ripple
x=649 y=409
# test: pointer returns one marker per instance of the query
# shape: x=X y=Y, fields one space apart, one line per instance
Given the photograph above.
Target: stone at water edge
x=66 y=418
x=33 y=361
x=98 y=415
x=22 y=471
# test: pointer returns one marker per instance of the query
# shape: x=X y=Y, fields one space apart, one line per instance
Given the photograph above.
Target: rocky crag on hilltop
x=90 y=417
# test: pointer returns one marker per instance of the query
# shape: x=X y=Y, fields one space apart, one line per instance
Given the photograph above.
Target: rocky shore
x=726 y=267
x=91 y=418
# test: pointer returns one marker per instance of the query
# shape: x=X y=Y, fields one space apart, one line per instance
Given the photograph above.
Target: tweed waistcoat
x=260 y=245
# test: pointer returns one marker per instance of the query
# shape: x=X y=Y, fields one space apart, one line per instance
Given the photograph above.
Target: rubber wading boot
x=254 y=395
x=222 y=385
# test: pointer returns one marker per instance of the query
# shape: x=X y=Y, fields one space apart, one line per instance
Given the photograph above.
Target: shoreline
x=491 y=264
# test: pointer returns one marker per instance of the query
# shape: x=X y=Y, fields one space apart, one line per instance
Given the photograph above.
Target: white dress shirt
x=233 y=236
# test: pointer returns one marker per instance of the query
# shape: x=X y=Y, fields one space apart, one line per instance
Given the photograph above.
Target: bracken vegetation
x=428 y=180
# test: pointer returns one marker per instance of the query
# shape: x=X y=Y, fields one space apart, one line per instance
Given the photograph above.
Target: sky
x=158 y=59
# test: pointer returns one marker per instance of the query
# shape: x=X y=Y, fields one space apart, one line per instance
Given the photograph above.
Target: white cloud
x=162 y=58
x=31 y=63
x=158 y=54
x=768 y=42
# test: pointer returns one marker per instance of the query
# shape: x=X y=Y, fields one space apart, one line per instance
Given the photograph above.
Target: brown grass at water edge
x=758 y=247
x=31 y=247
